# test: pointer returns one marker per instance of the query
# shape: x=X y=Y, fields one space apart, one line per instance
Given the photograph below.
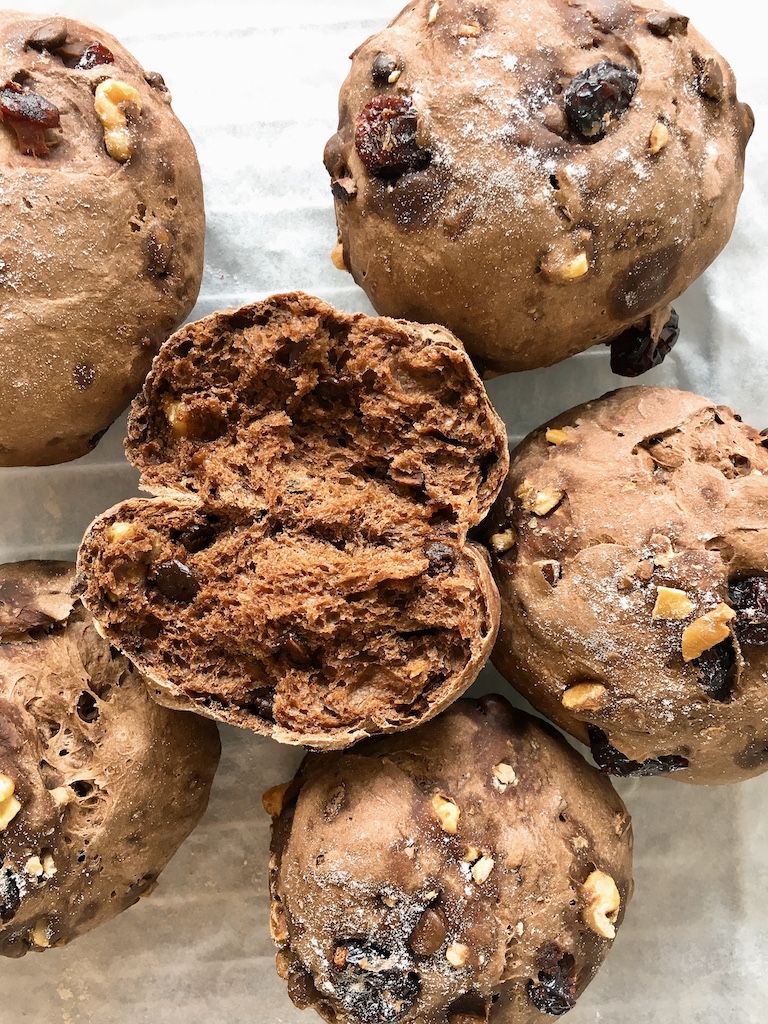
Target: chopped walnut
x=500 y=543
x=563 y=269
x=662 y=550
x=433 y=12
x=457 y=954
x=470 y=31
x=178 y=415
x=658 y=139
x=337 y=257
x=112 y=99
x=557 y=437
x=40 y=934
x=707 y=631
x=9 y=805
x=482 y=869
x=504 y=775
x=672 y=604
x=278 y=926
x=602 y=902
x=118 y=531
x=447 y=811
x=587 y=696
x=540 y=501
x=272 y=800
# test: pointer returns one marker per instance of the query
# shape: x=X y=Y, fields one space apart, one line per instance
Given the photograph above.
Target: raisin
x=597 y=97
x=442 y=558
x=176 y=581
x=197 y=536
x=749 y=597
x=261 y=703
x=49 y=36
x=94 y=55
x=10 y=895
x=611 y=761
x=383 y=67
x=634 y=351
x=29 y=114
x=371 y=983
x=385 y=137
x=716 y=670
x=555 y=991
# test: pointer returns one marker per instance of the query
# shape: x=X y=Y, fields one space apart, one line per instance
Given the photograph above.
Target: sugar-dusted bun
x=631 y=552
x=304 y=571
x=99 y=785
x=538 y=177
x=104 y=230
x=471 y=871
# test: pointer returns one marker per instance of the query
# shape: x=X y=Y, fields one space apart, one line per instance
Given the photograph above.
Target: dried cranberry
x=611 y=761
x=29 y=115
x=176 y=581
x=373 y=984
x=385 y=137
x=93 y=56
x=634 y=351
x=555 y=991
x=716 y=669
x=597 y=97
x=749 y=597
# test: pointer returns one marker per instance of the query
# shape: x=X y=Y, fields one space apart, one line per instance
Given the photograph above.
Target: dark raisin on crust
x=611 y=761
x=717 y=669
x=749 y=598
x=385 y=137
x=634 y=351
x=555 y=991
x=597 y=97
x=372 y=983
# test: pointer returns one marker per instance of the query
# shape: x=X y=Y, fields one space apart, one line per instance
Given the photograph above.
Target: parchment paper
x=256 y=84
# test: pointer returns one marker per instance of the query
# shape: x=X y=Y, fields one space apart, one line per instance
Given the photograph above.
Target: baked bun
x=304 y=570
x=472 y=871
x=103 y=216
x=538 y=177
x=631 y=552
x=98 y=784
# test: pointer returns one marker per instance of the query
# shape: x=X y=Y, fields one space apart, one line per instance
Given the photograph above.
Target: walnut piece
x=481 y=869
x=9 y=805
x=500 y=543
x=588 y=696
x=447 y=811
x=602 y=902
x=272 y=800
x=111 y=99
x=504 y=775
x=457 y=954
x=707 y=631
x=565 y=269
x=556 y=436
x=538 y=500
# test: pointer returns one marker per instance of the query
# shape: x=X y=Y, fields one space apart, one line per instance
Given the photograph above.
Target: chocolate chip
x=441 y=557
x=611 y=761
x=430 y=932
x=597 y=97
x=372 y=983
x=176 y=581
x=383 y=67
x=10 y=896
x=155 y=81
x=49 y=36
x=84 y=375
x=665 y=23
x=709 y=80
x=555 y=991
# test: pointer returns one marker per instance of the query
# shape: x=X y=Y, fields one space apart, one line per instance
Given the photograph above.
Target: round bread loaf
x=471 y=871
x=99 y=785
x=630 y=546
x=304 y=570
x=102 y=213
x=538 y=177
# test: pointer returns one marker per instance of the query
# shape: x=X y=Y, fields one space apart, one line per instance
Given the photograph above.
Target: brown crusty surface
x=503 y=195
x=103 y=258
x=649 y=490
x=383 y=915
x=108 y=782
x=304 y=570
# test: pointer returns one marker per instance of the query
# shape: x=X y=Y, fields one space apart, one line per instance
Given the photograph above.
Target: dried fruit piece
x=634 y=351
x=716 y=670
x=598 y=96
x=555 y=991
x=602 y=904
x=611 y=761
x=371 y=983
x=176 y=581
x=29 y=114
x=384 y=68
x=9 y=804
x=749 y=596
x=10 y=895
x=385 y=137
x=272 y=800
x=707 y=631
x=430 y=932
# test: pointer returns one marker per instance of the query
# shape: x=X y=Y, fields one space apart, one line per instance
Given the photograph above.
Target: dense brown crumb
x=448 y=873
x=640 y=566
x=304 y=571
x=538 y=177
x=106 y=783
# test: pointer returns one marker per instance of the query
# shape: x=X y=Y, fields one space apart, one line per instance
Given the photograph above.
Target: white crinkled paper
x=256 y=85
